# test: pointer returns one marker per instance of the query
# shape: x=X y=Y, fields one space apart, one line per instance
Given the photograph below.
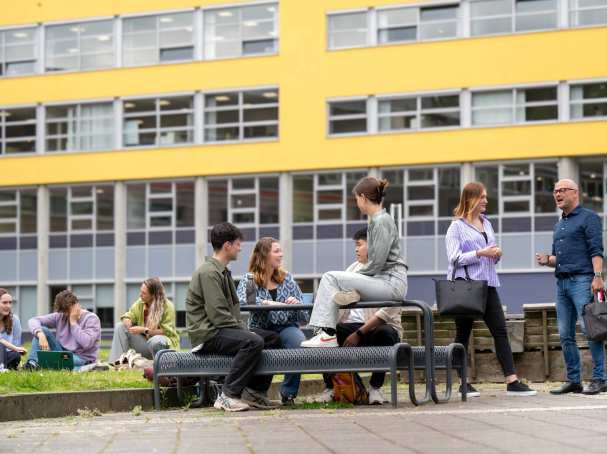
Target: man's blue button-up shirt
x=578 y=237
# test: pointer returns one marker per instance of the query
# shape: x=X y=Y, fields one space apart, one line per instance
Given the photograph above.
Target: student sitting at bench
x=148 y=326
x=77 y=331
x=10 y=333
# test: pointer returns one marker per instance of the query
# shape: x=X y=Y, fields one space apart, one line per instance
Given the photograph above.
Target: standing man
x=214 y=325
x=577 y=256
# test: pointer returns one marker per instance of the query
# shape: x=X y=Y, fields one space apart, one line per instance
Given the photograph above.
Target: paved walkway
x=493 y=423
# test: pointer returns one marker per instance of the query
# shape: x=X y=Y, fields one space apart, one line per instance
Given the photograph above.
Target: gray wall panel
x=8 y=268
x=135 y=262
x=28 y=265
x=81 y=263
x=330 y=256
x=57 y=264
x=160 y=261
x=185 y=260
x=517 y=251
x=104 y=263
x=420 y=252
x=303 y=257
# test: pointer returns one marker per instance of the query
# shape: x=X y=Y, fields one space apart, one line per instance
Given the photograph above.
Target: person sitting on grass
x=10 y=333
x=148 y=326
x=365 y=327
x=77 y=331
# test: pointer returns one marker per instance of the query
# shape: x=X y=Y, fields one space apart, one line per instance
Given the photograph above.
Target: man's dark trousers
x=246 y=347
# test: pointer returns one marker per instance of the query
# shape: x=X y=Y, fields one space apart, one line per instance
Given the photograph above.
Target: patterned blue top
x=15 y=336
x=265 y=320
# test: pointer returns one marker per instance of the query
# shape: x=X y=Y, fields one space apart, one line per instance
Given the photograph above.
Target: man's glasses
x=562 y=190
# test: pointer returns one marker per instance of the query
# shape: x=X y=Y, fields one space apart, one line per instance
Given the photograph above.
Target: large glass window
x=74 y=47
x=489 y=17
x=158 y=121
x=160 y=205
x=536 y=14
x=592 y=185
x=237 y=32
x=18 y=211
x=521 y=105
x=245 y=115
x=18 y=51
x=397 y=25
x=82 y=208
x=418 y=112
x=347 y=117
x=79 y=127
x=348 y=30
x=589 y=100
x=157 y=39
x=438 y=22
x=18 y=130
x=588 y=12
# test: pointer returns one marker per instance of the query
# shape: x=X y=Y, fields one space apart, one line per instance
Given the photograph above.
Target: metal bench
x=317 y=360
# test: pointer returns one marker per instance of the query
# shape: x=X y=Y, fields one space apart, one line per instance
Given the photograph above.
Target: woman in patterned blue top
x=275 y=286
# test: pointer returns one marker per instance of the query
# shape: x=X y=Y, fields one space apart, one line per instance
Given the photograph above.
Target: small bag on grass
x=349 y=387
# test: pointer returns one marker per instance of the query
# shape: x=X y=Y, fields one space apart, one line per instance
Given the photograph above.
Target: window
x=438 y=22
x=397 y=25
x=18 y=130
x=536 y=14
x=588 y=12
x=80 y=127
x=592 y=185
x=488 y=17
x=246 y=115
x=347 y=117
x=158 y=121
x=160 y=205
x=589 y=100
x=532 y=104
x=164 y=38
x=348 y=30
x=237 y=32
x=546 y=176
x=18 y=52
x=303 y=194
x=418 y=112
x=82 y=208
x=18 y=211
x=73 y=47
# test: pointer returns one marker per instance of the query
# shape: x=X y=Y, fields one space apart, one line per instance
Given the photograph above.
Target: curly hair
x=258 y=263
x=158 y=305
x=64 y=302
x=7 y=319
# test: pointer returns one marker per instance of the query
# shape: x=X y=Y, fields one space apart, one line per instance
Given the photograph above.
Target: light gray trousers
x=371 y=288
x=123 y=340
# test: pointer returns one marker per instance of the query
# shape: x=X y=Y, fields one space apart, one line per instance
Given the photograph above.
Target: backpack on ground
x=349 y=387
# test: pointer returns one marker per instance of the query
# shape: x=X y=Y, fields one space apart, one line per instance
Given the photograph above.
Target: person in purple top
x=471 y=243
x=77 y=331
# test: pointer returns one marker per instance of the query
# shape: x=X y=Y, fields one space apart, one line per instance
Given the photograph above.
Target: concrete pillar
x=466 y=174
x=568 y=168
x=285 y=218
x=201 y=218
x=120 y=225
x=42 y=219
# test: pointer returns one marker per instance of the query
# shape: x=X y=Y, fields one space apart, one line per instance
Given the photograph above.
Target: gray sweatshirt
x=383 y=245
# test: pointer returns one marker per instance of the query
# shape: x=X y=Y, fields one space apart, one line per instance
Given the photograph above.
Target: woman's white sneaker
x=226 y=403
x=322 y=339
x=375 y=396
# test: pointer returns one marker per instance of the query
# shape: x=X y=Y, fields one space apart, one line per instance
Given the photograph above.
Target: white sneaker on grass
x=346 y=298
x=322 y=339
x=375 y=396
x=226 y=403
x=326 y=396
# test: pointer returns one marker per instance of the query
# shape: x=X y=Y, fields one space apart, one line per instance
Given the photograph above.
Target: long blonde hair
x=156 y=310
x=469 y=199
x=258 y=263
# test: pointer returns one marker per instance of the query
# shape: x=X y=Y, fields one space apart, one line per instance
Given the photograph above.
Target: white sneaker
x=346 y=298
x=322 y=339
x=375 y=396
x=226 y=403
x=326 y=396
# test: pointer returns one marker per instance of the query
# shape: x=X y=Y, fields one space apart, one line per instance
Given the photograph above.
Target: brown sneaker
x=346 y=298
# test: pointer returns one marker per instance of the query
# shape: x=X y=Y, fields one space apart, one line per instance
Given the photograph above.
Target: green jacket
x=211 y=302
x=167 y=323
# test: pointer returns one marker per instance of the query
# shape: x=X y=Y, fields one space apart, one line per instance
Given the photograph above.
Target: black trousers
x=246 y=347
x=496 y=322
x=9 y=358
x=383 y=335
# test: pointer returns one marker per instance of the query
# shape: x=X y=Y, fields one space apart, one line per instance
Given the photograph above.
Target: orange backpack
x=349 y=387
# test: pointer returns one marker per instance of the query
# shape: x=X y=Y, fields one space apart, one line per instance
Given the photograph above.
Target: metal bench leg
x=156 y=378
x=446 y=396
x=428 y=344
x=179 y=390
x=401 y=351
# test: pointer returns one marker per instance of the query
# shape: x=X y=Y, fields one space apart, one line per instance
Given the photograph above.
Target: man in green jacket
x=148 y=326
x=214 y=325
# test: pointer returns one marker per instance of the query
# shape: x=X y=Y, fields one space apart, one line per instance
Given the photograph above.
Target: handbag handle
x=454 y=269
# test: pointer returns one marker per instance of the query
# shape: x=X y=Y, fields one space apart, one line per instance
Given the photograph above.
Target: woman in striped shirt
x=471 y=244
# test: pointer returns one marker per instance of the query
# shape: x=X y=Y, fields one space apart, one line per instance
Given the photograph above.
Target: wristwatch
x=360 y=333
x=598 y=274
x=146 y=331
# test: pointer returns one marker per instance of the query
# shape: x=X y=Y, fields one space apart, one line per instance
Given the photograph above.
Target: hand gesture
x=74 y=314
x=491 y=252
x=291 y=300
x=352 y=340
x=137 y=329
x=21 y=350
x=542 y=259
x=42 y=341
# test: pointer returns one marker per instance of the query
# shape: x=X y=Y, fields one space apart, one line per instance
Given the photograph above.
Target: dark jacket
x=211 y=302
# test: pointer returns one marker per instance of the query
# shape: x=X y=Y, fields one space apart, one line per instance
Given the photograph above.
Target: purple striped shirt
x=463 y=240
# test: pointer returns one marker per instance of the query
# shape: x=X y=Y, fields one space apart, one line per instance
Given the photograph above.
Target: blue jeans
x=572 y=294
x=54 y=346
x=290 y=337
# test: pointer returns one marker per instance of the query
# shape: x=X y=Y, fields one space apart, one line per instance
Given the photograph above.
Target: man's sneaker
x=287 y=401
x=326 y=396
x=346 y=298
x=375 y=396
x=470 y=392
x=226 y=403
x=31 y=365
x=595 y=387
x=256 y=399
x=516 y=388
x=322 y=339
x=566 y=388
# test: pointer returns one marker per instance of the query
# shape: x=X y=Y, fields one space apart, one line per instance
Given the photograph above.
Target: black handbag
x=461 y=297
x=595 y=320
